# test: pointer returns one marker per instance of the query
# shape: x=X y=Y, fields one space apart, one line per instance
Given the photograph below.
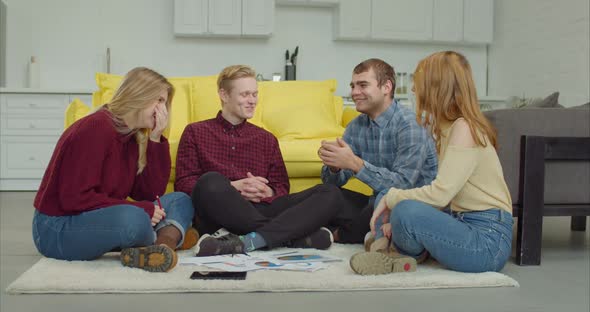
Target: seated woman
x=116 y=152
x=463 y=219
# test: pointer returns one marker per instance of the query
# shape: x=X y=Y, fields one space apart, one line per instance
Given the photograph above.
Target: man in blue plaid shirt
x=383 y=147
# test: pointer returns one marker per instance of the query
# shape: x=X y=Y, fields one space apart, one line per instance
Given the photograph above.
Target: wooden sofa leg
x=578 y=223
x=529 y=237
x=530 y=216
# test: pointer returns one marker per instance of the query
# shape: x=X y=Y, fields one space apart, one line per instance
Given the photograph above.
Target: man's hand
x=253 y=188
x=338 y=155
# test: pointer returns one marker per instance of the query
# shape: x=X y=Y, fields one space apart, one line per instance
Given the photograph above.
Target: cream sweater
x=469 y=178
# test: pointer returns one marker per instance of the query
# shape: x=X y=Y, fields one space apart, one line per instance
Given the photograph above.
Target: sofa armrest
x=564 y=180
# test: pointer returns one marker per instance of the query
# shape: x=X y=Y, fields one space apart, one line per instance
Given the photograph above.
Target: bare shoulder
x=461 y=134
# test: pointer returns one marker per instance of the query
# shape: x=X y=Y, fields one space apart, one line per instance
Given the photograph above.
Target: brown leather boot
x=155 y=258
x=191 y=237
x=169 y=236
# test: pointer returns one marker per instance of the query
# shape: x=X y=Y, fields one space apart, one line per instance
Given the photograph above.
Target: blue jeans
x=91 y=234
x=476 y=241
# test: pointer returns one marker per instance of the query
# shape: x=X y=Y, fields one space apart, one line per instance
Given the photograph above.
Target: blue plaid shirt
x=396 y=151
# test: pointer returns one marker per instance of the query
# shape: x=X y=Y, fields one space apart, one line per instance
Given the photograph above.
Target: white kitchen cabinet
x=452 y=21
x=223 y=17
x=352 y=20
x=447 y=20
x=191 y=17
x=309 y=3
x=478 y=25
x=258 y=17
x=31 y=122
x=401 y=19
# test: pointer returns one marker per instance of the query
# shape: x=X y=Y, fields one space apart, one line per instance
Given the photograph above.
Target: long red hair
x=445 y=91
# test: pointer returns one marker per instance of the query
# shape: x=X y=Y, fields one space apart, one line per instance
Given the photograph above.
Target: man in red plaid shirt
x=235 y=174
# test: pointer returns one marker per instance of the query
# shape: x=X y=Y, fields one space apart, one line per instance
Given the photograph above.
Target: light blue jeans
x=467 y=242
x=91 y=234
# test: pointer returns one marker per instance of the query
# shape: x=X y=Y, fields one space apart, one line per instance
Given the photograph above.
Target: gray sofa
x=566 y=182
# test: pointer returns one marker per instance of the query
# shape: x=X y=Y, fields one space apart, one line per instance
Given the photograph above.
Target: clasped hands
x=253 y=188
x=338 y=155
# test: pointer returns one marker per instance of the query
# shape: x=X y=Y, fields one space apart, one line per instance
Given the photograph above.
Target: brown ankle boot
x=155 y=258
x=169 y=236
x=191 y=237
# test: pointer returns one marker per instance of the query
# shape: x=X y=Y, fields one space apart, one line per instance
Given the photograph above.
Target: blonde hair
x=231 y=73
x=445 y=91
x=139 y=88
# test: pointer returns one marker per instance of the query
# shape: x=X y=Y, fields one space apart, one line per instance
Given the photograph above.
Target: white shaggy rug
x=107 y=275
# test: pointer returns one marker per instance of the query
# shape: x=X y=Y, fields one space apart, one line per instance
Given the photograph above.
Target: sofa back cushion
x=205 y=102
x=180 y=108
x=300 y=109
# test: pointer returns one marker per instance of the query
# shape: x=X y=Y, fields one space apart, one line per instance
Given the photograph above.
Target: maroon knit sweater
x=93 y=166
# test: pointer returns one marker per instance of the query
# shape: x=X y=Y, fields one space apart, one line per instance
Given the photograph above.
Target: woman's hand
x=386 y=229
x=381 y=211
x=159 y=214
x=160 y=123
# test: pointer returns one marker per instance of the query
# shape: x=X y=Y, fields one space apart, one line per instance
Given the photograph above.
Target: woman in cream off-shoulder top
x=463 y=219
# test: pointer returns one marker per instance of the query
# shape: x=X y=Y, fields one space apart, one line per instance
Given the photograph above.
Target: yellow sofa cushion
x=180 y=108
x=349 y=113
x=300 y=109
x=76 y=110
x=205 y=100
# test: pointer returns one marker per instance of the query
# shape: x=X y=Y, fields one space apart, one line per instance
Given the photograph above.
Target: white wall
x=69 y=38
x=541 y=46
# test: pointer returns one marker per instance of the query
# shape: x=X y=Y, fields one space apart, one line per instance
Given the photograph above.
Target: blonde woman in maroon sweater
x=115 y=153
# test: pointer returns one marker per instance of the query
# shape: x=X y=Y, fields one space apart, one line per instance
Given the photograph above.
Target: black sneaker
x=228 y=244
x=320 y=239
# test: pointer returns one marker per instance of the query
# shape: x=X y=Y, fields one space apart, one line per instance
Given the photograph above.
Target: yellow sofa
x=299 y=113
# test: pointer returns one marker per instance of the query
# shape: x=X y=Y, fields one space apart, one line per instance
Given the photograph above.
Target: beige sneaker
x=374 y=263
x=369 y=239
x=155 y=258
x=381 y=244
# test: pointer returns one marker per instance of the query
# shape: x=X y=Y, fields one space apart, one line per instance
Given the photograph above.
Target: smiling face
x=369 y=98
x=239 y=103
x=146 y=118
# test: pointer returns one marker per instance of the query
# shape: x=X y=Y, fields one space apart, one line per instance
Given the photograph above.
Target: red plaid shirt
x=217 y=145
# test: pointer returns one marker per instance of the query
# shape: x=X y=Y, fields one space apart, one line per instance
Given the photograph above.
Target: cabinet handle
x=32 y=126
x=33 y=105
x=31 y=157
